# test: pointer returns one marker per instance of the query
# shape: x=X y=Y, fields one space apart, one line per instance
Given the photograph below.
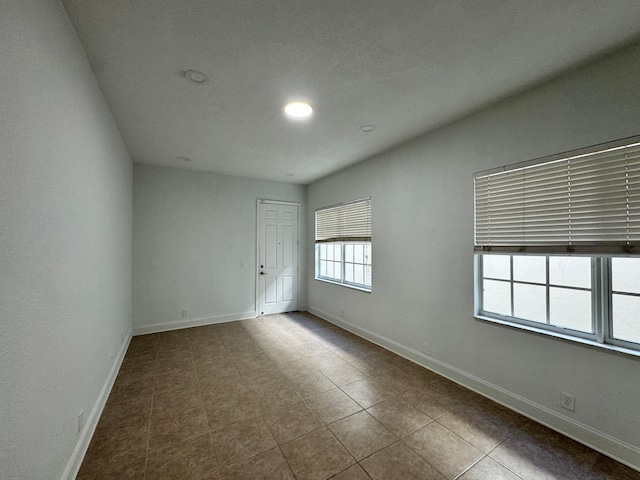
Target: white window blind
x=587 y=201
x=345 y=222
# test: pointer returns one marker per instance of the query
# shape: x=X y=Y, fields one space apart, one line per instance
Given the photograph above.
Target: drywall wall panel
x=194 y=246
x=422 y=214
x=65 y=243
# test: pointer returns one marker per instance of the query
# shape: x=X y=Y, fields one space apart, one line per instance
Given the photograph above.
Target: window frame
x=318 y=259
x=585 y=202
x=344 y=224
x=601 y=305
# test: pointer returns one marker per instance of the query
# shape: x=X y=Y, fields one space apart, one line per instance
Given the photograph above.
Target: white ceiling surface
x=405 y=66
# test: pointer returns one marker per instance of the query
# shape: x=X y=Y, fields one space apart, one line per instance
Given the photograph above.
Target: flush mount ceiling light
x=368 y=128
x=184 y=159
x=196 y=77
x=298 y=109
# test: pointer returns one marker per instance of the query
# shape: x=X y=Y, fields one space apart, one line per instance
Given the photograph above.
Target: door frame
x=261 y=201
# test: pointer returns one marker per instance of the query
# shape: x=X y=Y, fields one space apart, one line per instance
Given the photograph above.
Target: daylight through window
x=557 y=245
x=343 y=244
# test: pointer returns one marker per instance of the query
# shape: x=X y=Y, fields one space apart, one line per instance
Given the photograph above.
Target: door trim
x=261 y=201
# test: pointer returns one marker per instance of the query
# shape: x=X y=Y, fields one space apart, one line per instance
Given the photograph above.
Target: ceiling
x=404 y=66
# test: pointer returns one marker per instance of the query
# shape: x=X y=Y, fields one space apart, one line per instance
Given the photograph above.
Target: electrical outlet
x=80 y=420
x=568 y=401
x=185 y=312
x=243 y=264
x=342 y=313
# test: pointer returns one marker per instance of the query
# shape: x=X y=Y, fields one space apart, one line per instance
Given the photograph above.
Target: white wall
x=65 y=242
x=422 y=299
x=192 y=230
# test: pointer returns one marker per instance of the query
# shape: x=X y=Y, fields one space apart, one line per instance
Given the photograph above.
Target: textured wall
x=422 y=211
x=192 y=230
x=65 y=240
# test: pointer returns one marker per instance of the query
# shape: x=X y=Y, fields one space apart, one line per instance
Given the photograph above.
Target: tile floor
x=293 y=397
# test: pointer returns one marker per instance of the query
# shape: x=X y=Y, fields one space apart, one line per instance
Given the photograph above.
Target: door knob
x=262 y=273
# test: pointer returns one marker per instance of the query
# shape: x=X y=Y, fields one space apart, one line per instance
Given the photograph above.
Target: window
x=556 y=245
x=343 y=244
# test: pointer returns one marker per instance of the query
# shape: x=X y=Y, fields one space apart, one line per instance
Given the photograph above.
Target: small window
x=557 y=245
x=343 y=244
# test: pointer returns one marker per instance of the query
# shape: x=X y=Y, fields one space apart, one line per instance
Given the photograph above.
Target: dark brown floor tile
x=397 y=380
x=311 y=383
x=487 y=468
x=110 y=454
x=333 y=405
x=447 y=452
x=292 y=421
x=274 y=396
x=371 y=364
x=270 y=465
x=242 y=440
x=127 y=418
x=354 y=472
x=176 y=380
x=317 y=455
x=399 y=462
x=175 y=362
x=362 y=435
x=176 y=425
x=367 y=392
x=222 y=387
x=137 y=366
x=116 y=469
x=166 y=401
x=533 y=457
x=324 y=360
x=607 y=469
x=399 y=417
x=476 y=428
x=428 y=402
x=223 y=411
x=342 y=374
x=132 y=387
x=192 y=459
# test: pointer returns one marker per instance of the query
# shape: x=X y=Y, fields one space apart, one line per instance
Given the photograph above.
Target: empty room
x=286 y=239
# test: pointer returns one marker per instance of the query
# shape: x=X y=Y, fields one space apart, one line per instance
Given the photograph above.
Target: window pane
x=570 y=271
x=358 y=253
x=530 y=269
x=358 y=274
x=570 y=309
x=337 y=252
x=323 y=268
x=348 y=272
x=323 y=251
x=329 y=252
x=348 y=253
x=367 y=253
x=496 y=297
x=530 y=302
x=626 y=318
x=625 y=274
x=367 y=276
x=330 y=269
x=496 y=266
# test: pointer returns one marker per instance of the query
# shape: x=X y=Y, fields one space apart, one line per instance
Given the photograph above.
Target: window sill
x=354 y=287
x=583 y=341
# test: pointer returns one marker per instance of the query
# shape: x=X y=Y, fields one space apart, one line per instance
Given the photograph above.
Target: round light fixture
x=368 y=128
x=184 y=159
x=298 y=109
x=196 y=77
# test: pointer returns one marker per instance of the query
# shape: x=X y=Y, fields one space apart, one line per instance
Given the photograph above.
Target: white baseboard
x=606 y=444
x=74 y=463
x=191 y=322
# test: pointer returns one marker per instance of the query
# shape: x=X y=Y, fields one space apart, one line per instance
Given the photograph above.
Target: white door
x=277 y=257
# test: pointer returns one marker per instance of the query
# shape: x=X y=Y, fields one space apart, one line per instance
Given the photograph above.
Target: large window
x=343 y=244
x=557 y=245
